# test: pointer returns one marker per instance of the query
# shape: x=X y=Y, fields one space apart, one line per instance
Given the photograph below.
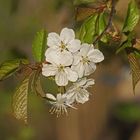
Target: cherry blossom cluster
x=70 y=62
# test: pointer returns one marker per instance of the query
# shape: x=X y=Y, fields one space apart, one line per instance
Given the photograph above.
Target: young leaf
x=135 y=68
x=132 y=17
x=20 y=100
x=101 y=26
x=88 y=29
x=39 y=44
x=8 y=68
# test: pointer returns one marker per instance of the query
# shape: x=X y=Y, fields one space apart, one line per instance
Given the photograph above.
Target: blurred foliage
x=128 y=112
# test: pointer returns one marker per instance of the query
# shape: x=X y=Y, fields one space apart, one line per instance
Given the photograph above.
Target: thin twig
x=109 y=22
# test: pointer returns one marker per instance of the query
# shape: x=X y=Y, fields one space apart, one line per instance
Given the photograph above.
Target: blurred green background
x=112 y=113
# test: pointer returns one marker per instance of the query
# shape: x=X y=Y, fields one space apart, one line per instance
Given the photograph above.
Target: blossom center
x=62 y=46
x=85 y=59
x=60 y=68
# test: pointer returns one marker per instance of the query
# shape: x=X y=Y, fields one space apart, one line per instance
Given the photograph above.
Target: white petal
x=82 y=96
x=70 y=97
x=76 y=59
x=65 y=58
x=85 y=49
x=49 y=70
x=55 y=56
x=69 y=93
x=50 y=96
x=95 y=56
x=74 y=45
x=72 y=75
x=89 y=68
x=89 y=83
x=67 y=35
x=61 y=78
x=79 y=69
x=52 y=56
x=81 y=82
x=53 y=40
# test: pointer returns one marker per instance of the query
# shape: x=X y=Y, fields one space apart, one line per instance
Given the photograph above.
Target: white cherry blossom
x=78 y=91
x=64 y=42
x=59 y=103
x=68 y=60
x=61 y=70
x=85 y=60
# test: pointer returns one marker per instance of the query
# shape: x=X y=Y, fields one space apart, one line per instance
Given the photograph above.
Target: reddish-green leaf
x=8 y=68
x=135 y=69
x=20 y=100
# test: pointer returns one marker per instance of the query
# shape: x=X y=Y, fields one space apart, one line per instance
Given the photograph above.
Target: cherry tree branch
x=112 y=12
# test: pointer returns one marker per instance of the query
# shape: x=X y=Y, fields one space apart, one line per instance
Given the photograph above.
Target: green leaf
x=8 y=68
x=101 y=27
x=135 y=69
x=20 y=100
x=132 y=17
x=39 y=44
x=88 y=29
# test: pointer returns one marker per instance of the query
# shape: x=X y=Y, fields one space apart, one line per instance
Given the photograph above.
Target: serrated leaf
x=39 y=44
x=101 y=26
x=88 y=29
x=132 y=17
x=20 y=100
x=135 y=69
x=8 y=68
